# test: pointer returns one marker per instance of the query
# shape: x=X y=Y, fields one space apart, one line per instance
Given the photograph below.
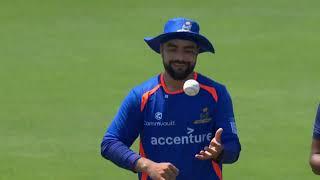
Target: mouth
x=179 y=65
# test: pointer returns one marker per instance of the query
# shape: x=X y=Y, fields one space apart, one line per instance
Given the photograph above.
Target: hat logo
x=186 y=27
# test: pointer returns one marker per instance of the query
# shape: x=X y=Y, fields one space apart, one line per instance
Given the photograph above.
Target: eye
x=172 y=49
x=190 y=51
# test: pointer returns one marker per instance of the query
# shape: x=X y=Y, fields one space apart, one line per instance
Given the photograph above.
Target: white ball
x=191 y=87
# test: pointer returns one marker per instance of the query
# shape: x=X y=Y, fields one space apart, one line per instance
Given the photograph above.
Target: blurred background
x=65 y=67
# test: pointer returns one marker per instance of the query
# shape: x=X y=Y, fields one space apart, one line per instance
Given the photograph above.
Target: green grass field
x=65 y=67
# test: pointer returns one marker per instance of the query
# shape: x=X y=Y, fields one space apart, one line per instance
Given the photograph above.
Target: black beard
x=181 y=75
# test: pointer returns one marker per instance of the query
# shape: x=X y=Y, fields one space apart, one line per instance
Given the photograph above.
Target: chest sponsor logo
x=189 y=138
x=159 y=121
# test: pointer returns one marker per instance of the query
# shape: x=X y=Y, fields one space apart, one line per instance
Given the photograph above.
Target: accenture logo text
x=187 y=139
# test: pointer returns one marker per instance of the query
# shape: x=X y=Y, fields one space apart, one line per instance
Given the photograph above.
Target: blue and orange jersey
x=316 y=130
x=173 y=127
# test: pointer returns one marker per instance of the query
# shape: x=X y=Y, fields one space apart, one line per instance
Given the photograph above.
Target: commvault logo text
x=186 y=139
x=159 y=121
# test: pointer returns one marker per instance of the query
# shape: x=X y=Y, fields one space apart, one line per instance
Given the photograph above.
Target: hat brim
x=203 y=43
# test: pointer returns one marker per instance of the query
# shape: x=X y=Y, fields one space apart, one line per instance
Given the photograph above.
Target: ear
x=161 y=48
x=198 y=49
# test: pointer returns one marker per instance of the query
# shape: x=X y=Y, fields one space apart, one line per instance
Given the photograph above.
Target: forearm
x=231 y=152
x=315 y=163
x=120 y=154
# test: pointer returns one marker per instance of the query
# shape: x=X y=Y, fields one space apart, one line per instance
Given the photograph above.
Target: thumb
x=217 y=136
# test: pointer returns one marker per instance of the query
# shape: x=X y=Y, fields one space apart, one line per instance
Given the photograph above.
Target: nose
x=179 y=56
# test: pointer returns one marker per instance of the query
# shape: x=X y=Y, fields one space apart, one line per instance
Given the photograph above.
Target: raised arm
x=225 y=120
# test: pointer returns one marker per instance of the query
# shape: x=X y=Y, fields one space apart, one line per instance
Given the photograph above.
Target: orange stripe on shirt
x=217 y=169
x=144 y=176
x=165 y=88
x=211 y=90
x=163 y=84
x=146 y=96
x=195 y=76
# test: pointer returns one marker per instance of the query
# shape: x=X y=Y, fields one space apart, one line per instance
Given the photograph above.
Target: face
x=179 y=57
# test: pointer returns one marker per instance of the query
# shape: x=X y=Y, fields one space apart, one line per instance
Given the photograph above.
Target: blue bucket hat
x=180 y=28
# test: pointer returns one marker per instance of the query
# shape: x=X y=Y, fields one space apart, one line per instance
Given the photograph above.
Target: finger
x=169 y=174
x=171 y=178
x=218 y=135
x=198 y=156
x=214 y=143
x=201 y=157
x=174 y=169
x=202 y=153
x=165 y=175
x=213 y=151
x=206 y=154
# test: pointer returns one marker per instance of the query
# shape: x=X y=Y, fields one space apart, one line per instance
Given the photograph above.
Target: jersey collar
x=162 y=83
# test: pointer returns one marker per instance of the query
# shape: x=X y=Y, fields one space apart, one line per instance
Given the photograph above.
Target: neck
x=175 y=85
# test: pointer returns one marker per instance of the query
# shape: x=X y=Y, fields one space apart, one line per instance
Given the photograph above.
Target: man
x=181 y=137
x=315 y=147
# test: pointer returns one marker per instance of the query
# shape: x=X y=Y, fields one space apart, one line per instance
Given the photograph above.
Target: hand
x=162 y=171
x=214 y=149
x=157 y=171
